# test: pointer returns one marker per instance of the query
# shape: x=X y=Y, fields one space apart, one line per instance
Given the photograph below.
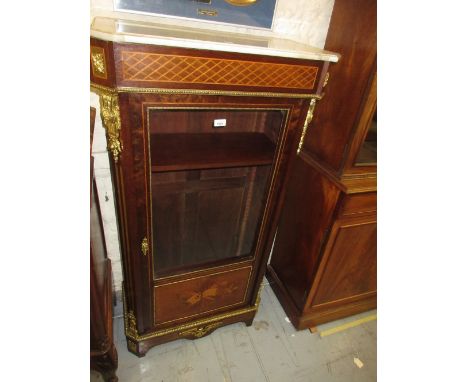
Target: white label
x=219 y=122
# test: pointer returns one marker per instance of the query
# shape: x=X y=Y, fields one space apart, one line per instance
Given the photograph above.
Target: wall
x=105 y=193
x=303 y=21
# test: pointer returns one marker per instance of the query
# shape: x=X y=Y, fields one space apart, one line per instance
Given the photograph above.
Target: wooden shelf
x=173 y=152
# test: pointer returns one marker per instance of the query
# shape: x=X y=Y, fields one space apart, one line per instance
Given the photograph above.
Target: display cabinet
x=324 y=263
x=201 y=142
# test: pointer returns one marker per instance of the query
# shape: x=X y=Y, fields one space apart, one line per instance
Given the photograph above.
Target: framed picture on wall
x=250 y=13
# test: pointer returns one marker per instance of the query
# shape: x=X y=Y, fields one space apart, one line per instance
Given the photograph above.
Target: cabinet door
x=194 y=195
x=208 y=183
x=348 y=271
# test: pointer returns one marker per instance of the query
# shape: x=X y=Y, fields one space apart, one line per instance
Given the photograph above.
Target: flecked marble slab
x=144 y=32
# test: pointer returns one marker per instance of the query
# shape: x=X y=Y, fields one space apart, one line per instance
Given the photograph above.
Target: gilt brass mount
x=144 y=246
x=310 y=115
x=110 y=115
x=241 y=3
x=201 y=331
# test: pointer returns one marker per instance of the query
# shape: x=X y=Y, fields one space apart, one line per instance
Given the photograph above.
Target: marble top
x=119 y=29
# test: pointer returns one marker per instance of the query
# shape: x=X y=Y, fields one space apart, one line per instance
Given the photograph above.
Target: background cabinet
x=323 y=264
x=198 y=202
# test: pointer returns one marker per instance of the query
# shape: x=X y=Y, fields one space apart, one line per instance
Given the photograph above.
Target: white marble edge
x=104 y=28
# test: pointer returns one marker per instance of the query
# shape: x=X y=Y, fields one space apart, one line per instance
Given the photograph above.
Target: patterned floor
x=270 y=350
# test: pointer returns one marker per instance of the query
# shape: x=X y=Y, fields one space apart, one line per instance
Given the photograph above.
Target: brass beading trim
x=123 y=89
x=99 y=89
x=240 y=264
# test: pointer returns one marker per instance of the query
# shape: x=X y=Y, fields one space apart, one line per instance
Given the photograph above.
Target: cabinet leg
x=249 y=322
x=136 y=348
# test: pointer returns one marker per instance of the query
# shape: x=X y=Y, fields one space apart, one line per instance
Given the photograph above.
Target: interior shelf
x=188 y=151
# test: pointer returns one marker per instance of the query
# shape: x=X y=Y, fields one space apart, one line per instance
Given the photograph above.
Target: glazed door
x=202 y=179
x=210 y=176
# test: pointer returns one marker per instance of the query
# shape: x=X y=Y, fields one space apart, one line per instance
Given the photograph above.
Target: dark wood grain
x=102 y=349
x=362 y=154
x=109 y=60
x=274 y=120
x=350 y=262
x=323 y=265
x=322 y=313
x=248 y=67
x=218 y=189
x=352 y=33
x=173 y=152
x=360 y=203
x=131 y=175
x=198 y=296
x=196 y=119
x=307 y=213
x=206 y=216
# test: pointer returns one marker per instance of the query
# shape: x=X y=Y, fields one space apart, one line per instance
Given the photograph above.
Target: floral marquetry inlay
x=209 y=294
x=198 y=295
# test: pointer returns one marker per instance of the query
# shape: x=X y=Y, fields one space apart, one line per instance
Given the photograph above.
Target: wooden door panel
x=349 y=268
x=255 y=191
x=359 y=204
x=180 y=300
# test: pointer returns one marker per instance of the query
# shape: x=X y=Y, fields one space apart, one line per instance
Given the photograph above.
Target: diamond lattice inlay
x=138 y=66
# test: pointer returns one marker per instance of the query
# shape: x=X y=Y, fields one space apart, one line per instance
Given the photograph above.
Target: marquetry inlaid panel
x=195 y=296
x=153 y=67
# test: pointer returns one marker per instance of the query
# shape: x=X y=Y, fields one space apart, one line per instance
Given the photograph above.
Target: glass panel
x=210 y=175
x=368 y=153
x=241 y=12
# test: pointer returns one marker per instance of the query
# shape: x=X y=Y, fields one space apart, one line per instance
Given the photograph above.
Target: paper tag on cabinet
x=219 y=123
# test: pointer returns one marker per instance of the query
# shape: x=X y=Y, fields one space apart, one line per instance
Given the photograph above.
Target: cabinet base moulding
x=189 y=331
x=140 y=344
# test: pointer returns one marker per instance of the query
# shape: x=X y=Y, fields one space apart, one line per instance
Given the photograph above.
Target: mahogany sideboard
x=324 y=262
x=201 y=144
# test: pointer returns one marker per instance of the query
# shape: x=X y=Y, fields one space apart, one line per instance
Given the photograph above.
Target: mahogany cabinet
x=103 y=357
x=201 y=143
x=323 y=265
